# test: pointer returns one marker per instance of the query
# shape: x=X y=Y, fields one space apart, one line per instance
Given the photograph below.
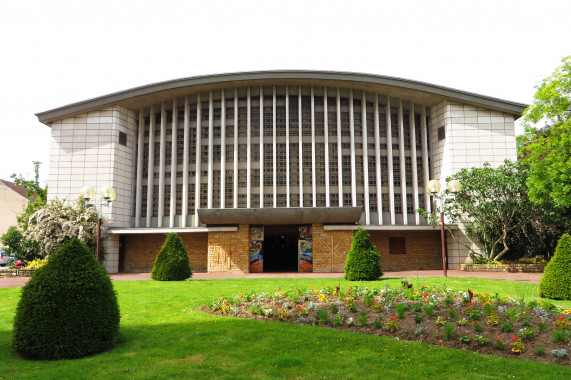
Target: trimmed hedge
x=363 y=261
x=171 y=263
x=68 y=309
x=556 y=280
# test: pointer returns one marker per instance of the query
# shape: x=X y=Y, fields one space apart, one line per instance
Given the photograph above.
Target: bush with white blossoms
x=56 y=223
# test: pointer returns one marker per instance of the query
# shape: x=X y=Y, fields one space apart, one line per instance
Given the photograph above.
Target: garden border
x=523 y=268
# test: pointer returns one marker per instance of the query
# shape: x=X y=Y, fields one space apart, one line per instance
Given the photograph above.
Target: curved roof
x=418 y=92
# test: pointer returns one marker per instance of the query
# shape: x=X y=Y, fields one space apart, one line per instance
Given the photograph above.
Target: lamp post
x=107 y=196
x=433 y=189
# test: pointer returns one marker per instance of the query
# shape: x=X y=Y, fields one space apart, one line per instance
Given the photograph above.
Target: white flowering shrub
x=56 y=223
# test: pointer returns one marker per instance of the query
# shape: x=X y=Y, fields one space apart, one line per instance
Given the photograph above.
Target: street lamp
x=107 y=196
x=433 y=189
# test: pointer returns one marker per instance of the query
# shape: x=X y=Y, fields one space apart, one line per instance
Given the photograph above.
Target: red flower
x=376 y=319
x=498 y=340
x=470 y=304
x=393 y=318
x=476 y=321
x=299 y=308
x=374 y=301
x=280 y=307
x=560 y=318
x=279 y=288
x=493 y=311
x=426 y=294
x=451 y=307
x=514 y=337
x=540 y=322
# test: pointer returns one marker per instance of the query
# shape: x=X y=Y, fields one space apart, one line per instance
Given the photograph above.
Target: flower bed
x=525 y=268
x=481 y=322
x=16 y=272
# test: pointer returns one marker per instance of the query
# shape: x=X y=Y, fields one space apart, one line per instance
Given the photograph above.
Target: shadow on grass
x=225 y=347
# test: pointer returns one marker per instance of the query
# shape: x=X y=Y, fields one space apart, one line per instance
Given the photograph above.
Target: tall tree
x=546 y=145
x=36 y=194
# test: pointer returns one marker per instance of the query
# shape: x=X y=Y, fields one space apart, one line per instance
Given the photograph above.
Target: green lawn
x=165 y=336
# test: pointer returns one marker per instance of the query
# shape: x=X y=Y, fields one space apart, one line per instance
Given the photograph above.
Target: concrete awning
x=284 y=215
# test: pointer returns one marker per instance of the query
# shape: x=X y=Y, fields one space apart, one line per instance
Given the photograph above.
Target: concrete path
x=6 y=282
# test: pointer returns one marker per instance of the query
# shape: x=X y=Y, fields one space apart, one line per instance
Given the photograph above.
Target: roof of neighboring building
x=21 y=190
x=420 y=92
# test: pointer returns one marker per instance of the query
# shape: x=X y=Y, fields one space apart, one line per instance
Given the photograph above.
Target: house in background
x=13 y=202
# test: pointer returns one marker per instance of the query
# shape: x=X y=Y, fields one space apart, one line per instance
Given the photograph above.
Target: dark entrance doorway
x=280 y=248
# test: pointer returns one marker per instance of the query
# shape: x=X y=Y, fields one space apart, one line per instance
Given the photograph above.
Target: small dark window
x=441 y=133
x=123 y=138
x=397 y=246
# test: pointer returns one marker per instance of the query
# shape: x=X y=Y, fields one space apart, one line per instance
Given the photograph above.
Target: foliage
x=36 y=194
x=363 y=261
x=556 y=280
x=36 y=264
x=55 y=224
x=547 y=150
x=496 y=205
x=68 y=309
x=16 y=244
x=171 y=263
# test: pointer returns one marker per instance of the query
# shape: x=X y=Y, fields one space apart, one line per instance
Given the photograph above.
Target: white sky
x=53 y=53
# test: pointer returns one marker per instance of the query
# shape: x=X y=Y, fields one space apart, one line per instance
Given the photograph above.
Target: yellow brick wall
x=229 y=251
x=423 y=250
x=330 y=249
x=141 y=250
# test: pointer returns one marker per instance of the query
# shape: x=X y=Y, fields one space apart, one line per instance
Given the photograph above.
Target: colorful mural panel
x=305 y=250
x=256 y=257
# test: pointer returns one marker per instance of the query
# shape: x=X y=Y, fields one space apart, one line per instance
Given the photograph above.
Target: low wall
x=16 y=272
x=525 y=268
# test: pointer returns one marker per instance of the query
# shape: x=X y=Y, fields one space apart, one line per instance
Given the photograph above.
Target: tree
x=172 y=262
x=363 y=261
x=556 y=280
x=68 y=309
x=56 y=223
x=495 y=203
x=546 y=150
x=36 y=194
x=16 y=244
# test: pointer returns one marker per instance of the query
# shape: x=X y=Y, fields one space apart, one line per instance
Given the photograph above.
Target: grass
x=165 y=336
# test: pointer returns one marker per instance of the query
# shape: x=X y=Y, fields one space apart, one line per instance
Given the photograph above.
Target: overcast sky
x=53 y=53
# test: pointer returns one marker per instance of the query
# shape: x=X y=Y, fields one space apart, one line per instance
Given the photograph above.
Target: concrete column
x=185 y=155
x=402 y=164
x=378 y=162
x=414 y=168
x=249 y=150
x=424 y=143
x=288 y=197
x=365 y=158
x=150 y=169
x=162 y=157
x=353 y=167
x=390 y=162
x=326 y=144
x=173 y=163
x=210 y=148
x=313 y=159
x=274 y=143
x=300 y=122
x=198 y=158
x=339 y=151
x=223 y=151
x=236 y=147
x=261 y=146
x=139 y=186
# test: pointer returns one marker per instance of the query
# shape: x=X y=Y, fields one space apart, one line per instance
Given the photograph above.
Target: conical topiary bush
x=172 y=262
x=68 y=309
x=556 y=280
x=363 y=261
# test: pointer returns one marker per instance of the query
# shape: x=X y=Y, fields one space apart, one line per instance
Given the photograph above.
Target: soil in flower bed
x=479 y=322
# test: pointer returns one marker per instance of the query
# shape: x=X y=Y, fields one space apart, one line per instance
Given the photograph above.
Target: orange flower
x=498 y=340
x=393 y=318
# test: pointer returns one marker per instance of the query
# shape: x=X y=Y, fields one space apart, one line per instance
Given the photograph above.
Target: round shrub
x=556 y=280
x=363 y=261
x=68 y=309
x=171 y=263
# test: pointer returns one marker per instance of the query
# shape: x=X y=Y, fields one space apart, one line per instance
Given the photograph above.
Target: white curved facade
x=274 y=140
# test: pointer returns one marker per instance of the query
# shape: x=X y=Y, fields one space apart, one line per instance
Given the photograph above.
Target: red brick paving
x=534 y=278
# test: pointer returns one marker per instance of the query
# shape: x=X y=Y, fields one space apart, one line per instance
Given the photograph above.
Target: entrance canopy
x=289 y=215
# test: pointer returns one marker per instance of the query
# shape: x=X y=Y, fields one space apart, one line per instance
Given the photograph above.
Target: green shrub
x=363 y=261
x=556 y=280
x=68 y=309
x=171 y=263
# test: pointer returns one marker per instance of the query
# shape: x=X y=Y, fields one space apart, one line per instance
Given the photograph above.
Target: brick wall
x=423 y=250
x=141 y=250
x=229 y=251
x=330 y=249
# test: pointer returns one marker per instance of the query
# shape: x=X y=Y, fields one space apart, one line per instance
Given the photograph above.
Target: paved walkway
x=6 y=282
